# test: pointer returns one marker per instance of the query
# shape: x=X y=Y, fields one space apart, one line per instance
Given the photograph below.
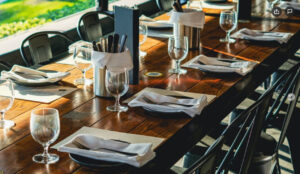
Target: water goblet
x=117 y=84
x=82 y=59
x=178 y=49
x=45 y=128
x=143 y=32
x=6 y=101
x=228 y=22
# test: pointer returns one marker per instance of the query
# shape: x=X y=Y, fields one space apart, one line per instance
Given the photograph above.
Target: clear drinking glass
x=143 y=33
x=117 y=84
x=271 y=4
x=45 y=128
x=228 y=22
x=82 y=59
x=178 y=49
x=6 y=101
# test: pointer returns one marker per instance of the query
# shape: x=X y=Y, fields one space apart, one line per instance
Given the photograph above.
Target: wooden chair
x=252 y=150
x=91 y=30
x=40 y=47
x=206 y=164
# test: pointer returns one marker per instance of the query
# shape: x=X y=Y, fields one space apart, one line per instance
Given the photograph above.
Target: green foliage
x=68 y=10
x=14 y=27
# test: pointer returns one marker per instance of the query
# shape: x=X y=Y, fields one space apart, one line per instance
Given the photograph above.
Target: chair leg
x=278 y=166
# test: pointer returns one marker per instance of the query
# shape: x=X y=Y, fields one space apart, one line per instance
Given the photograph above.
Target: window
x=20 y=15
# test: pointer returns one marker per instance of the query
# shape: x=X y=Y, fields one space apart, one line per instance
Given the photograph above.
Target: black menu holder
x=127 y=22
x=244 y=10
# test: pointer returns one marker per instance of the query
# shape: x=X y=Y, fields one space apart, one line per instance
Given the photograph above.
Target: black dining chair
x=164 y=5
x=252 y=150
x=4 y=66
x=206 y=164
x=89 y=26
x=40 y=47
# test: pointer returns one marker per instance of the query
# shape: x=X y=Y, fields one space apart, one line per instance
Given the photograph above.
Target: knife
x=115 y=43
x=110 y=42
x=123 y=41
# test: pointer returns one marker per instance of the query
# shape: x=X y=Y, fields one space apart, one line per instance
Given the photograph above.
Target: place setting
x=260 y=36
x=36 y=85
x=99 y=148
x=220 y=66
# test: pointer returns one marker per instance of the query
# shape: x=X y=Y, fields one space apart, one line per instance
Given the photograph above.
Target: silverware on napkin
x=82 y=146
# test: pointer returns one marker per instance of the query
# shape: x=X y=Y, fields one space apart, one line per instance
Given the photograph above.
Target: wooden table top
x=82 y=108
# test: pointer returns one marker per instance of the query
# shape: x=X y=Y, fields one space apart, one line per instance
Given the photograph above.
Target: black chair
x=91 y=30
x=164 y=5
x=40 y=47
x=252 y=150
x=4 y=66
x=207 y=163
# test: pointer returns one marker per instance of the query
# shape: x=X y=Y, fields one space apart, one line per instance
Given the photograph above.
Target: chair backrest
x=4 y=66
x=164 y=5
x=207 y=163
x=39 y=47
x=91 y=29
x=286 y=92
x=251 y=122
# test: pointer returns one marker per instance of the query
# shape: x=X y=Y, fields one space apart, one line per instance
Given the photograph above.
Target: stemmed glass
x=82 y=59
x=44 y=128
x=271 y=4
x=228 y=22
x=143 y=32
x=178 y=49
x=6 y=101
x=117 y=84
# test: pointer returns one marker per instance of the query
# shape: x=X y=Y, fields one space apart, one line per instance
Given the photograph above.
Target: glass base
x=178 y=71
x=117 y=109
x=230 y=40
x=83 y=81
x=40 y=158
x=5 y=124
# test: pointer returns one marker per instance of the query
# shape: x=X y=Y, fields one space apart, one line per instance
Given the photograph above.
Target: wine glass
x=82 y=59
x=6 y=101
x=178 y=49
x=228 y=22
x=271 y=4
x=117 y=84
x=143 y=32
x=44 y=128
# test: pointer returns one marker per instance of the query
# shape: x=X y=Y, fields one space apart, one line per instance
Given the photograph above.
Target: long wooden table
x=17 y=146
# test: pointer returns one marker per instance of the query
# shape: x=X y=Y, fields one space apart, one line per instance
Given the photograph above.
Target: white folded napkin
x=257 y=35
x=114 y=61
x=27 y=75
x=214 y=64
x=285 y=4
x=152 y=23
x=189 y=17
x=196 y=105
x=99 y=149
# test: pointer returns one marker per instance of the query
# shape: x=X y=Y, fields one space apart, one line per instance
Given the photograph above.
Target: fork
x=82 y=146
x=165 y=103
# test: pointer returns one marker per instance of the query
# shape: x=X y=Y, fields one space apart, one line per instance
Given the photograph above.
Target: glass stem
x=83 y=74
x=2 y=116
x=177 y=66
x=227 y=36
x=45 y=153
x=117 y=103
